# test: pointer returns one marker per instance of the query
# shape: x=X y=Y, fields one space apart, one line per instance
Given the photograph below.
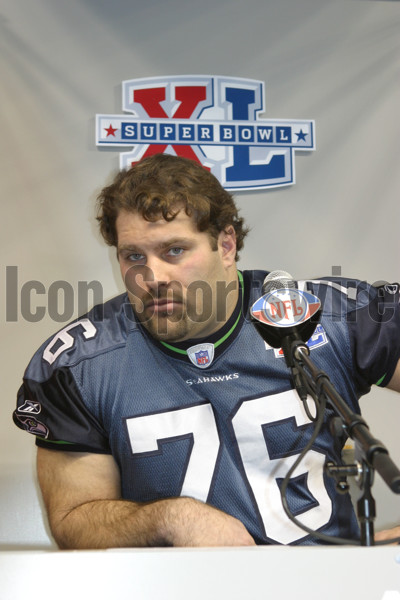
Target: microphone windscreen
x=277 y=280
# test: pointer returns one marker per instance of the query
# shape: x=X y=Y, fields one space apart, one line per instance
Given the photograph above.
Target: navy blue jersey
x=215 y=419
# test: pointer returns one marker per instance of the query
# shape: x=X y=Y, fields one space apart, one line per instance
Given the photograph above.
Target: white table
x=273 y=572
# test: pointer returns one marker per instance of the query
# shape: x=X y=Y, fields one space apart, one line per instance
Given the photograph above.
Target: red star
x=110 y=130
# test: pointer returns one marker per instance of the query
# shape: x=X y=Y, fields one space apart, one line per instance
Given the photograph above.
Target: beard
x=166 y=327
x=171 y=313
x=163 y=325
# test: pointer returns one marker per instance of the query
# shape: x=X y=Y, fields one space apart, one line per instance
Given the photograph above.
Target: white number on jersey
x=66 y=340
x=148 y=431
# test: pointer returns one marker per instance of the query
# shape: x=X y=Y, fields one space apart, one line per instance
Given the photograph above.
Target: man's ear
x=227 y=245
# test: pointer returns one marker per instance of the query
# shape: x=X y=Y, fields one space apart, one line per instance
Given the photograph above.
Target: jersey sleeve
x=374 y=329
x=51 y=407
x=369 y=316
x=63 y=386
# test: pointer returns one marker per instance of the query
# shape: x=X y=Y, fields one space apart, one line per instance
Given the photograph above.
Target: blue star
x=301 y=136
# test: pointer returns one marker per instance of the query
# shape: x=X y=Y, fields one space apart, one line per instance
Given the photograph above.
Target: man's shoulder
x=341 y=294
x=338 y=295
x=104 y=328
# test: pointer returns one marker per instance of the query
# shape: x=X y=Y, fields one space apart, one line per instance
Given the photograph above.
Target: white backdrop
x=61 y=62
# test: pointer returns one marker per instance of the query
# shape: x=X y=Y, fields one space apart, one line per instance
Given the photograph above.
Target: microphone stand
x=373 y=455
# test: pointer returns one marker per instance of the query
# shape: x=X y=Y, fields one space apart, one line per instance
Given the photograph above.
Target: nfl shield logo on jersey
x=213 y=120
x=201 y=355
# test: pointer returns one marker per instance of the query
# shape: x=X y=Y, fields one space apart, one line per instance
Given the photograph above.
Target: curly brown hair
x=159 y=187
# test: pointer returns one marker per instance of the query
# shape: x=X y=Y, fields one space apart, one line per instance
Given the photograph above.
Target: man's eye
x=175 y=251
x=135 y=256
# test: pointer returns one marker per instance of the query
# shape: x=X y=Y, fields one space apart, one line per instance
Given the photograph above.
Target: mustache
x=160 y=297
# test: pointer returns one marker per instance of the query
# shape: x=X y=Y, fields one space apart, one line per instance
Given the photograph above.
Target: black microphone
x=284 y=313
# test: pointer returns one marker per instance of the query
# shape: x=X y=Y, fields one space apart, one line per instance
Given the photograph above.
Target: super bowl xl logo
x=213 y=120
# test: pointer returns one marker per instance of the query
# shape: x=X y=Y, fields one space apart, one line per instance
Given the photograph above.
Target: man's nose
x=159 y=274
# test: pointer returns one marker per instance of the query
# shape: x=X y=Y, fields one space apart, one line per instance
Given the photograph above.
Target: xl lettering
x=242 y=103
x=153 y=101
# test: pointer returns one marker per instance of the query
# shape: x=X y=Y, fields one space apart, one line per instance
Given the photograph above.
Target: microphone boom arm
x=374 y=452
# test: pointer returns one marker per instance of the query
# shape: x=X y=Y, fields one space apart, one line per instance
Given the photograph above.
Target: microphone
x=284 y=313
x=283 y=316
x=277 y=280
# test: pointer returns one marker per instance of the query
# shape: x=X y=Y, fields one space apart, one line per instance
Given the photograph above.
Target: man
x=162 y=419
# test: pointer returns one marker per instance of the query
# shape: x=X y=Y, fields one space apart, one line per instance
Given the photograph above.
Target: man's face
x=178 y=286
